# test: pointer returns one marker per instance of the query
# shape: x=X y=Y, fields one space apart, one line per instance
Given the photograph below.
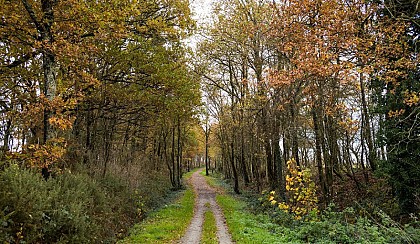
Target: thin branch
x=31 y=13
x=18 y=62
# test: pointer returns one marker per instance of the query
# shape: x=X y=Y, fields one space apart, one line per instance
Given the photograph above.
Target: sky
x=201 y=10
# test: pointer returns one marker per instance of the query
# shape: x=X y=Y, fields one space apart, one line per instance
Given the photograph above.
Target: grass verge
x=167 y=224
x=246 y=227
x=333 y=227
x=214 y=180
x=209 y=228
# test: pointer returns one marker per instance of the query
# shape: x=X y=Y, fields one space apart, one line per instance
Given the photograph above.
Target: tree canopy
x=330 y=84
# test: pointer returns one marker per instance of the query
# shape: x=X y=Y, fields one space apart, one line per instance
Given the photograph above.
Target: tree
x=396 y=90
x=237 y=47
x=109 y=70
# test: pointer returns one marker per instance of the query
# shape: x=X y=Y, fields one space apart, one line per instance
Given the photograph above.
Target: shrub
x=57 y=210
x=298 y=216
x=70 y=208
x=301 y=200
x=346 y=227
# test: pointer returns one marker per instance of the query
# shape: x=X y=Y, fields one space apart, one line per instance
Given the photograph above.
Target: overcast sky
x=201 y=9
x=201 y=13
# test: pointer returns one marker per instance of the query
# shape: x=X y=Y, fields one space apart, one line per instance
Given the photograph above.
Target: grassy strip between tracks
x=209 y=228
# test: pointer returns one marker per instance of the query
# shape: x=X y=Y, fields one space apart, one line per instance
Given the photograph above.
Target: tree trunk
x=279 y=169
x=232 y=163
x=242 y=160
x=49 y=64
x=366 y=127
x=318 y=154
x=179 y=155
x=173 y=157
x=207 y=132
x=327 y=158
x=295 y=145
x=6 y=137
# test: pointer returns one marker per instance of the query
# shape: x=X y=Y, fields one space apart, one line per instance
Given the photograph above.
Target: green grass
x=244 y=226
x=209 y=228
x=247 y=227
x=168 y=224
x=213 y=180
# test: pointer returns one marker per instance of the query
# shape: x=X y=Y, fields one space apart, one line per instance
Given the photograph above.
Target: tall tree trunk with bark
x=233 y=166
x=294 y=132
x=318 y=153
x=49 y=64
x=372 y=157
x=207 y=134
x=278 y=162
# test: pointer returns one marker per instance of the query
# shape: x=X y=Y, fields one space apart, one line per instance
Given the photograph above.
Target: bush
x=70 y=208
x=57 y=210
x=346 y=226
x=301 y=200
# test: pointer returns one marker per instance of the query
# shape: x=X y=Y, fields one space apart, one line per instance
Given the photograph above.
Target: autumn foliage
x=332 y=84
x=301 y=198
x=94 y=87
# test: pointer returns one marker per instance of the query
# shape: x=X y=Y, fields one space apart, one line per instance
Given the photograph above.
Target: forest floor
x=205 y=200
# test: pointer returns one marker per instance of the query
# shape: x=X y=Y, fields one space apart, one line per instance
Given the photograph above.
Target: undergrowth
x=267 y=223
x=71 y=207
x=168 y=223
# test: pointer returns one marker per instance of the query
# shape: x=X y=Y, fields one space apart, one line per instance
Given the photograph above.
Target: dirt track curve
x=205 y=194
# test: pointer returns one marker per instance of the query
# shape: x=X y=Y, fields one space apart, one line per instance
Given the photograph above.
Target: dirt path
x=205 y=194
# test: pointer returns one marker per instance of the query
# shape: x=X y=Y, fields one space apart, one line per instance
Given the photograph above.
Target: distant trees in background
x=332 y=84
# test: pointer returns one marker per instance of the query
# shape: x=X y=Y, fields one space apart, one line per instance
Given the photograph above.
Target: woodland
x=309 y=108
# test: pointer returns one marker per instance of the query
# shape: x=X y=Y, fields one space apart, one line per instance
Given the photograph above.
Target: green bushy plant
x=57 y=210
x=347 y=227
x=69 y=208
